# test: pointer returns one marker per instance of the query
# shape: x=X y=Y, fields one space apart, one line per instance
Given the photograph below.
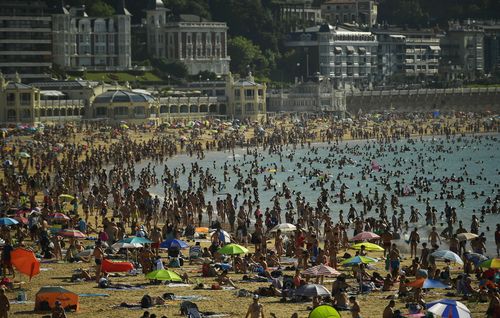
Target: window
x=249 y=108
x=237 y=93
x=25 y=98
x=11 y=98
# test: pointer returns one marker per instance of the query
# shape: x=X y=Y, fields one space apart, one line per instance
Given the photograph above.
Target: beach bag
x=146 y=301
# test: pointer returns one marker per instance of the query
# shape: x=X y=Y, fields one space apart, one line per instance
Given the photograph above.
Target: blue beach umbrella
x=174 y=243
x=356 y=260
x=8 y=221
x=448 y=308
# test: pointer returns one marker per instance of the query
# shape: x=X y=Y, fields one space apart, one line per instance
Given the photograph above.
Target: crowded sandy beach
x=382 y=215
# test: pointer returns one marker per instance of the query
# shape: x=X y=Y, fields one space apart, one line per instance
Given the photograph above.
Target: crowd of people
x=74 y=178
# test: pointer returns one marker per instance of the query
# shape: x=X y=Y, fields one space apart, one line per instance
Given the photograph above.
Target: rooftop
x=122 y=96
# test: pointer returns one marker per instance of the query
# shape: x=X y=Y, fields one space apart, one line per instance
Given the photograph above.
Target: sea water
x=452 y=157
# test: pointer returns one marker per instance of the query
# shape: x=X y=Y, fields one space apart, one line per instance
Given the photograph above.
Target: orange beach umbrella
x=25 y=262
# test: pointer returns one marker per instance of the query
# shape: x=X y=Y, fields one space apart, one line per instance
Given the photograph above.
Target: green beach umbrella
x=233 y=249
x=491 y=263
x=25 y=155
x=164 y=274
x=68 y=197
x=324 y=311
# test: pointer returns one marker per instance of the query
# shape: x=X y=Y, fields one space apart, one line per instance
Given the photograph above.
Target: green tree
x=99 y=9
x=246 y=56
x=164 y=68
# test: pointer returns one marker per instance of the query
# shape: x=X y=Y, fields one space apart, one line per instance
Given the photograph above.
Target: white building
x=83 y=42
x=198 y=43
x=314 y=96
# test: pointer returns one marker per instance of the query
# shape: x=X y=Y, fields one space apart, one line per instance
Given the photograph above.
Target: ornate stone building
x=200 y=44
x=92 y=43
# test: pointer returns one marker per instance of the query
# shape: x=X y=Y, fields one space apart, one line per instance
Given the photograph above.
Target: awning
x=350 y=49
x=362 y=50
x=338 y=49
x=434 y=48
x=51 y=93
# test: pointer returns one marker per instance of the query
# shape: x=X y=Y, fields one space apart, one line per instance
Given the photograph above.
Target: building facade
x=246 y=98
x=313 y=96
x=25 y=39
x=83 y=42
x=408 y=52
x=462 y=54
x=18 y=101
x=200 y=44
x=361 y=12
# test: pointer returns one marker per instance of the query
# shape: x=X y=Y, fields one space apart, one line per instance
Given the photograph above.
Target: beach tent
x=48 y=295
x=324 y=311
x=116 y=267
x=25 y=262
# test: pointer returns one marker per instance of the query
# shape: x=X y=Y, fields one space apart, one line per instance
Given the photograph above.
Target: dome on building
x=121 y=96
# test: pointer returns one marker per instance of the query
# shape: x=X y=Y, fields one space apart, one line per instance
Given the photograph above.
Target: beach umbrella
x=67 y=197
x=24 y=155
x=365 y=236
x=324 y=311
x=164 y=274
x=466 y=236
x=70 y=233
x=7 y=163
x=321 y=270
x=226 y=237
x=427 y=283
x=284 y=227
x=59 y=216
x=312 y=290
x=368 y=246
x=356 y=260
x=21 y=219
x=491 y=263
x=124 y=126
x=174 y=243
x=119 y=245
x=476 y=258
x=233 y=249
x=201 y=230
x=448 y=308
x=135 y=239
x=25 y=262
x=449 y=255
x=8 y=221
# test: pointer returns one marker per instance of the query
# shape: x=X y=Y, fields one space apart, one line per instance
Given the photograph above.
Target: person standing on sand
x=434 y=236
x=98 y=255
x=4 y=304
x=255 y=310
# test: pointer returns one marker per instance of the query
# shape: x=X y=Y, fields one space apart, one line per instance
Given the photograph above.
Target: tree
x=246 y=56
x=99 y=9
x=164 y=68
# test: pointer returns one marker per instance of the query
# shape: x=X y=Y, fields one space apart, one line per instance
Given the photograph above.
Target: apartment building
x=25 y=39
x=81 y=42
